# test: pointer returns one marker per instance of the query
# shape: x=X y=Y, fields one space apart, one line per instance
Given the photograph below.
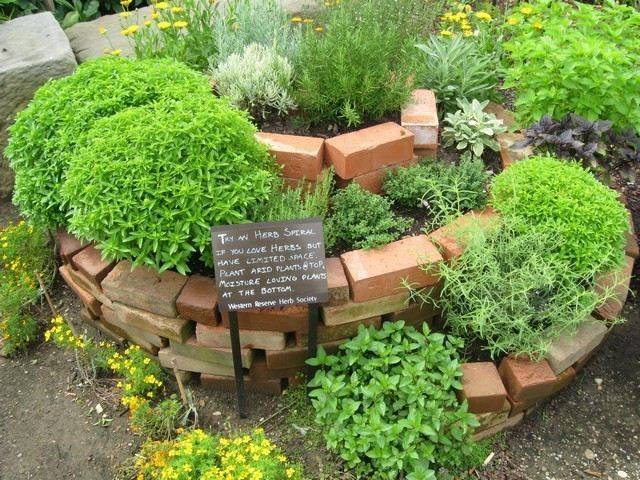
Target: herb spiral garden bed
x=175 y=317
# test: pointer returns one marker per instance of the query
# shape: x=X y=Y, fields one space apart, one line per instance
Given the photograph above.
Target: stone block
x=228 y=384
x=82 y=280
x=338 y=332
x=482 y=387
x=89 y=261
x=34 y=51
x=617 y=282
x=198 y=300
x=508 y=152
x=149 y=341
x=300 y=157
x=337 y=282
x=353 y=311
x=525 y=379
x=374 y=181
x=168 y=357
x=294 y=356
x=220 y=337
x=501 y=113
x=109 y=331
x=285 y=319
x=568 y=349
x=564 y=379
x=90 y=302
x=420 y=117
x=144 y=288
x=380 y=272
x=176 y=329
x=451 y=239
x=223 y=356
x=68 y=245
x=369 y=149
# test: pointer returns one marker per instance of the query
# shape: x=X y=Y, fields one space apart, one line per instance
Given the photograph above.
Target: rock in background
x=33 y=50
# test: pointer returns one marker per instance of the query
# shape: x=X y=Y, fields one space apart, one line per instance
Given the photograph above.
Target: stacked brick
x=363 y=156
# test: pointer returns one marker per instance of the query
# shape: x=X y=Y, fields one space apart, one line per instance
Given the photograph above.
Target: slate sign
x=271 y=264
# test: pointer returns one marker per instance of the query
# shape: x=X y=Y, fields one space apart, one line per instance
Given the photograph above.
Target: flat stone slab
x=175 y=329
x=33 y=50
x=220 y=337
x=222 y=356
x=167 y=357
x=568 y=349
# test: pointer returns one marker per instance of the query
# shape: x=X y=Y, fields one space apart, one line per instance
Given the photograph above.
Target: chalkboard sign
x=269 y=265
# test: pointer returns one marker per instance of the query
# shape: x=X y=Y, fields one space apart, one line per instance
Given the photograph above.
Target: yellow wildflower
x=125 y=3
x=130 y=30
x=147 y=23
x=180 y=24
x=125 y=14
x=290 y=472
x=526 y=10
x=162 y=5
x=296 y=20
x=154 y=15
x=102 y=30
x=446 y=33
x=177 y=9
x=163 y=25
x=319 y=29
x=117 y=52
x=513 y=20
x=307 y=20
x=537 y=24
x=484 y=16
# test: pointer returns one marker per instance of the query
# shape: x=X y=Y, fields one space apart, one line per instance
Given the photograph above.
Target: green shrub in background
x=506 y=295
x=471 y=129
x=566 y=202
x=152 y=180
x=388 y=405
x=575 y=58
x=457 y=69
x=247 y=21
x=356 y=69
x=258 y=80
x=447 y=191
x=46 y=134
x=361 y=219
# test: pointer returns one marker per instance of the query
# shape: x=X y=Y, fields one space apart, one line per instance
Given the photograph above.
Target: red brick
x=352 y=311
x=526 y=380
x=114 y=333
x=81 y=279
x=89 y=261
x=228 y=384
x=420 y=117
x=482 y=387
x=147 y=340
x=337 y=282
x=223 y=356
x=68 y=245
x=508 y=153
x=198 y=300
x=373 y=181
x=451 y=239
x=338 y=332
x=176 y=329
x=167 y=357
x=491 y=419
x=295 y=356
x=369 y=149
x=220 y=337
x=489 y=432
x=379 y=272
x=285 y=319
x=144 y=288
x=300 y=157
x=260 y=371
x=90 y=302
x=618 y=283
x=564 y=379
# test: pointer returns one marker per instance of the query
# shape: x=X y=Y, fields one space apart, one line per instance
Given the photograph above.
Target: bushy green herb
x=388 y=403
x=298 y=202
x=361 y=219
x=356 y=69
x=160 y=421
x=46 y=134
x=257 y=80
x=471 y=129
x=565 y=201
x=506 y=292
x=575 y=58
x=17 y=331
x=152 y=180
x=447 y=191
x=247 y=21
x=456 y=69
x=184 y=35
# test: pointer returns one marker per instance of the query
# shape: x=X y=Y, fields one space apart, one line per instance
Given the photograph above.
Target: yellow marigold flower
x=526 y=10
x=307 y=20
x=180 y=24
x=296 y=20
x=484 y=16
x=177 y=9
x=125 y=14
x=125 y=3
x=467 y=33
x=154 y=15
x=319 y=29
x=162 y=5
x=163 y=25
x=513 y=20
x=102 y=30
x=290 y=472
x=147 y=23
x=130 y=30
x=537 y=24
x=446 y=33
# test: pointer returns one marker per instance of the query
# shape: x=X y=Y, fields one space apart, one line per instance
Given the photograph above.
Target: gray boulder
x=33 y=50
